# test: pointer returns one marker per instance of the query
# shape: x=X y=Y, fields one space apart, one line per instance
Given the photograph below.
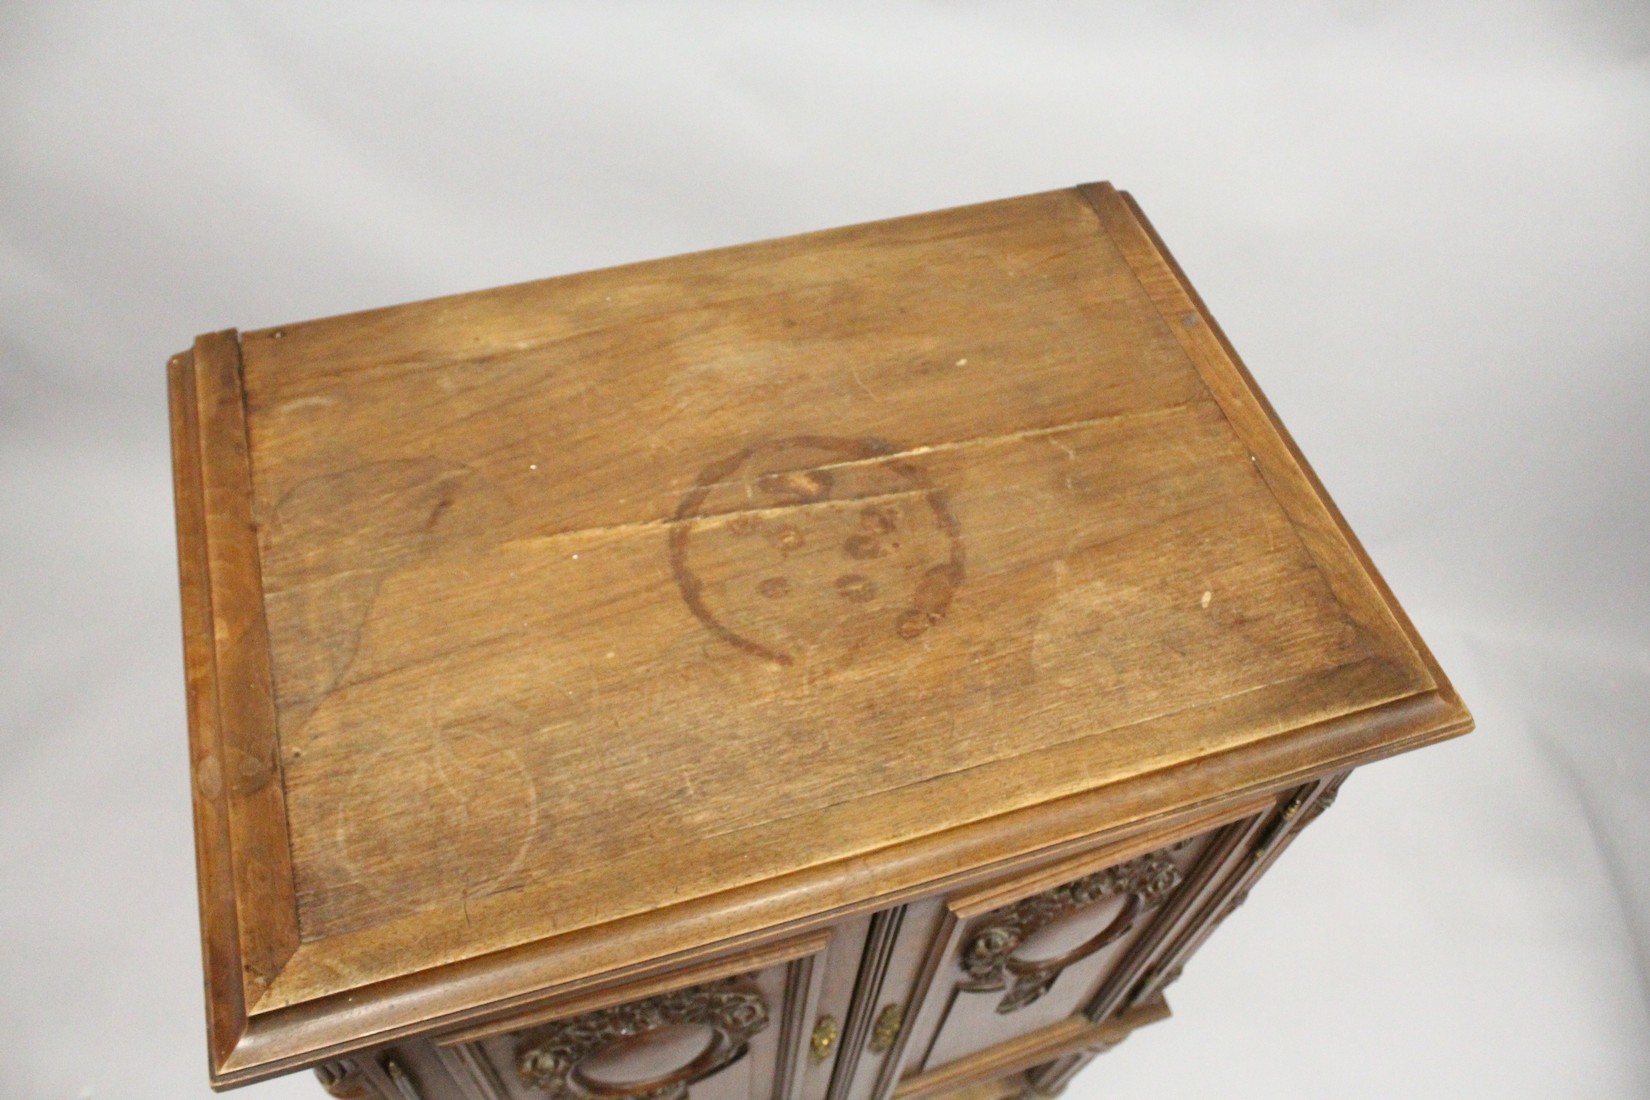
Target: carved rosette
x=988 y=957
x=548 y=1057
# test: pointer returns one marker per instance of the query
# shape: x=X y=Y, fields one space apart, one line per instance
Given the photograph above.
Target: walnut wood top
x=582 y=623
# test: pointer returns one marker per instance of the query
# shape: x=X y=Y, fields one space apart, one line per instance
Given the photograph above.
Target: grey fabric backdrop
x=1425 y=224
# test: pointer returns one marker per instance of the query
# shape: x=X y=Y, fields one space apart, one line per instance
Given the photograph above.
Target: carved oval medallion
x=1071 y=932
x=646 y=1061
x=646 y=1050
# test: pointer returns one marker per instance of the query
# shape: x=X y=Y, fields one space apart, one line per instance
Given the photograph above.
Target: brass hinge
x=1280 y=825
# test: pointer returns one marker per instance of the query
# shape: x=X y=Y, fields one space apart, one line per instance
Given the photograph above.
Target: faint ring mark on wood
x=853 y=537
x=465 y=789
x=333 y=541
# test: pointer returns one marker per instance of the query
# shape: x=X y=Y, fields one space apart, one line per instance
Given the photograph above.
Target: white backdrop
x=1426 y=225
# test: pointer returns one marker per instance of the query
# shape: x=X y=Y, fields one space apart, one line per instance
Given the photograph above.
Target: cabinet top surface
x=572 y=601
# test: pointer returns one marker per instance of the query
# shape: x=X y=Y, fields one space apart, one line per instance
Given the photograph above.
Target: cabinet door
x=735 y=1030
x=1033 y=954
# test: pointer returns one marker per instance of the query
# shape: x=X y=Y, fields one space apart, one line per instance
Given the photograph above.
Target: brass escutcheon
x=824 y=1038
x=886 y=1029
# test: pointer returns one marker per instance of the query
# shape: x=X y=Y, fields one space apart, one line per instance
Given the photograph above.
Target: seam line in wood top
x=437 y=656
x=667 y=522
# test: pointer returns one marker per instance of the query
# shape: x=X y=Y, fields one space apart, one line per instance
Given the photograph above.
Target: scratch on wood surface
x=1033 y=264
x=711 y=518
x=853 y=369
x=1049 y=432
x=656 y=439
x=1069 y=479
x=322 y=401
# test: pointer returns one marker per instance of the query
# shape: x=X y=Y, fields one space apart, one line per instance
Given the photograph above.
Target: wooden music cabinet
x=857 y=666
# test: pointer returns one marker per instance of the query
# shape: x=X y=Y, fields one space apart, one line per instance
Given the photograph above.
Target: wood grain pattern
x=1287 y=470
x=576 y=627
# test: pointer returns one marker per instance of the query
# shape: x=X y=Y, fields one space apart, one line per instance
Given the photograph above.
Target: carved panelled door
x=1026 y=956
x=728 y=1036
